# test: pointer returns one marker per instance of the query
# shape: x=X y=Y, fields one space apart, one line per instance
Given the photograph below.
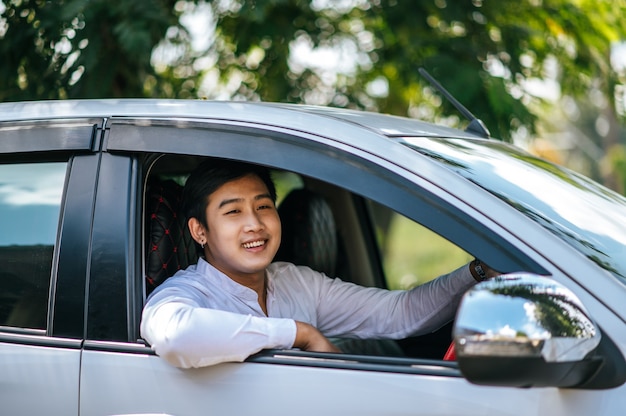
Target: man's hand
x=308 y=338
x=480 y=271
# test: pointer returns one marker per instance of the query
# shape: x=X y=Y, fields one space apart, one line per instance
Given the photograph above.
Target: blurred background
x=548 y=75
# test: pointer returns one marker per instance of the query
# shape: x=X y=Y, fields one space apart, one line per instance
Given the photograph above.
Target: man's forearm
x=189 y=336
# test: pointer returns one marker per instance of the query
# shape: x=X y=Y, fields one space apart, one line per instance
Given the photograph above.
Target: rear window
x=30 y=203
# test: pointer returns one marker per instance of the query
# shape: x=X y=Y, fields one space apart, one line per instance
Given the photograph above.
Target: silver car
x=88 y=202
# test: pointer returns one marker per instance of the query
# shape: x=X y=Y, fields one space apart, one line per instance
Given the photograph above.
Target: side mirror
x=525 y=330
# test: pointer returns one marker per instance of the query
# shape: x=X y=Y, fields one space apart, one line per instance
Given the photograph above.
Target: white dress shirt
x=201 y=317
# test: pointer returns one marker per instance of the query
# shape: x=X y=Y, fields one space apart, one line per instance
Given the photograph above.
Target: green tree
x=483 y=52
x=81 y=48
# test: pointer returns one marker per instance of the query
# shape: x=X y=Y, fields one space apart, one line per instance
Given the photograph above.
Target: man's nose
x=253 y=221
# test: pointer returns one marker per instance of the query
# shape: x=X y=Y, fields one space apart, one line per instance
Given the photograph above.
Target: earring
x=202 y=245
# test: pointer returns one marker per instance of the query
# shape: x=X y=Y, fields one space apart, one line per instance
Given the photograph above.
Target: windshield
x=588 y=216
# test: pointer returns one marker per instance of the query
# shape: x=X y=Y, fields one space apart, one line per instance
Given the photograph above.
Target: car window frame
x=74 y=142
x=141 y=139
x=33 y=136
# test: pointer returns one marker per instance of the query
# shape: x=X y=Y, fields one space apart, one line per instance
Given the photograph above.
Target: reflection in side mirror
x=524 y=330
x=525 y=316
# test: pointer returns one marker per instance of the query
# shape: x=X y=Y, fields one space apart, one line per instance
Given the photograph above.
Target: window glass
x=30 y=201
x=411 y=254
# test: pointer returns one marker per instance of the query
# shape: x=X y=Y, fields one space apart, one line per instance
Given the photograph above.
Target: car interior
x=325 y=227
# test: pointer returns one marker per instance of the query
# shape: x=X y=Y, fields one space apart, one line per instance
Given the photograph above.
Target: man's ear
x=197 y=231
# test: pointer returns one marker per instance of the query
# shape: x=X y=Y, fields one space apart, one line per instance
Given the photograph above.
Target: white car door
x=122 y=379
x=126 y=378
x=39 y=375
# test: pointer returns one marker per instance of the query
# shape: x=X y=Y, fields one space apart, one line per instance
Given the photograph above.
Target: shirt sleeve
x=187 y=335
x=349 y=310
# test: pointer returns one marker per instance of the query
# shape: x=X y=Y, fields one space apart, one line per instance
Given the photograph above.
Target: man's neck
x=259 y=285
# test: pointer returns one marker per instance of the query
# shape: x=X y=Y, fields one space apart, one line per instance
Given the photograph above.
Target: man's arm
x=349 y=310
x=191 y=336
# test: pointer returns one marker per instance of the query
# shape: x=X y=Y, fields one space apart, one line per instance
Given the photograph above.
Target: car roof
x=296 y=116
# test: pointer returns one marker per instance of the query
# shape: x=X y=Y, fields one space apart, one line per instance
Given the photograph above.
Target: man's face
x=243 y=228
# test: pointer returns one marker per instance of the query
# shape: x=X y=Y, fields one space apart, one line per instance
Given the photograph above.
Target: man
x=235 y=302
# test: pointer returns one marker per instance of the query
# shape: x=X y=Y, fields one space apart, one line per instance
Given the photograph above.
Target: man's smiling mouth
x=254 y=244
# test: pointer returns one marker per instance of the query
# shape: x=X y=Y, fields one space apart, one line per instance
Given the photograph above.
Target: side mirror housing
x=526 y=330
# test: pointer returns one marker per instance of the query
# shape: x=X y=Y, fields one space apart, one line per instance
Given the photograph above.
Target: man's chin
x=256 y=267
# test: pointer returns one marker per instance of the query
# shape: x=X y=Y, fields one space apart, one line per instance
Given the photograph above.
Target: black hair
x=212 y=174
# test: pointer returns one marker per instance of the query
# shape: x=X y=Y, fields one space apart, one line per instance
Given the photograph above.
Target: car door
x=121 y=375
x=47 y=175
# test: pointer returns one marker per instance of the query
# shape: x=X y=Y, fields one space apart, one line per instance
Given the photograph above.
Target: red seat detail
x=450 y=354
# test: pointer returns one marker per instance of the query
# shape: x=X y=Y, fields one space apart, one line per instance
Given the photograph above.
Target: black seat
x=309 y=234
x=169 y=246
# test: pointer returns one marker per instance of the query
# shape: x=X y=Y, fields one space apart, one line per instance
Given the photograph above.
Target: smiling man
x=235 y=302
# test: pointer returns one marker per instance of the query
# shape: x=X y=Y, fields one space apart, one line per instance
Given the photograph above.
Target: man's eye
x=232 y=211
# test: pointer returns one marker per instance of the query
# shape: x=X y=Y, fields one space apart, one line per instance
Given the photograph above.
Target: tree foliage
x=80 y=48
x=484 y=52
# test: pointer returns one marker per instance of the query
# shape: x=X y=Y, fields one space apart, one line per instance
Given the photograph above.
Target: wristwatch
x=478 y=268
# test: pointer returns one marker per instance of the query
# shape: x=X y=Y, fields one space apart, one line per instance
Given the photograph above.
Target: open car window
x=410 y=253
x=325 y=227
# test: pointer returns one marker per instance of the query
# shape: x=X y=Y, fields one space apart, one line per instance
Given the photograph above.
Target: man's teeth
x=253 y=244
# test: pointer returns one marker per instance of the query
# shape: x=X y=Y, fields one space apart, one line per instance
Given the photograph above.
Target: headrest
x=169 y=246
x=309 y=234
